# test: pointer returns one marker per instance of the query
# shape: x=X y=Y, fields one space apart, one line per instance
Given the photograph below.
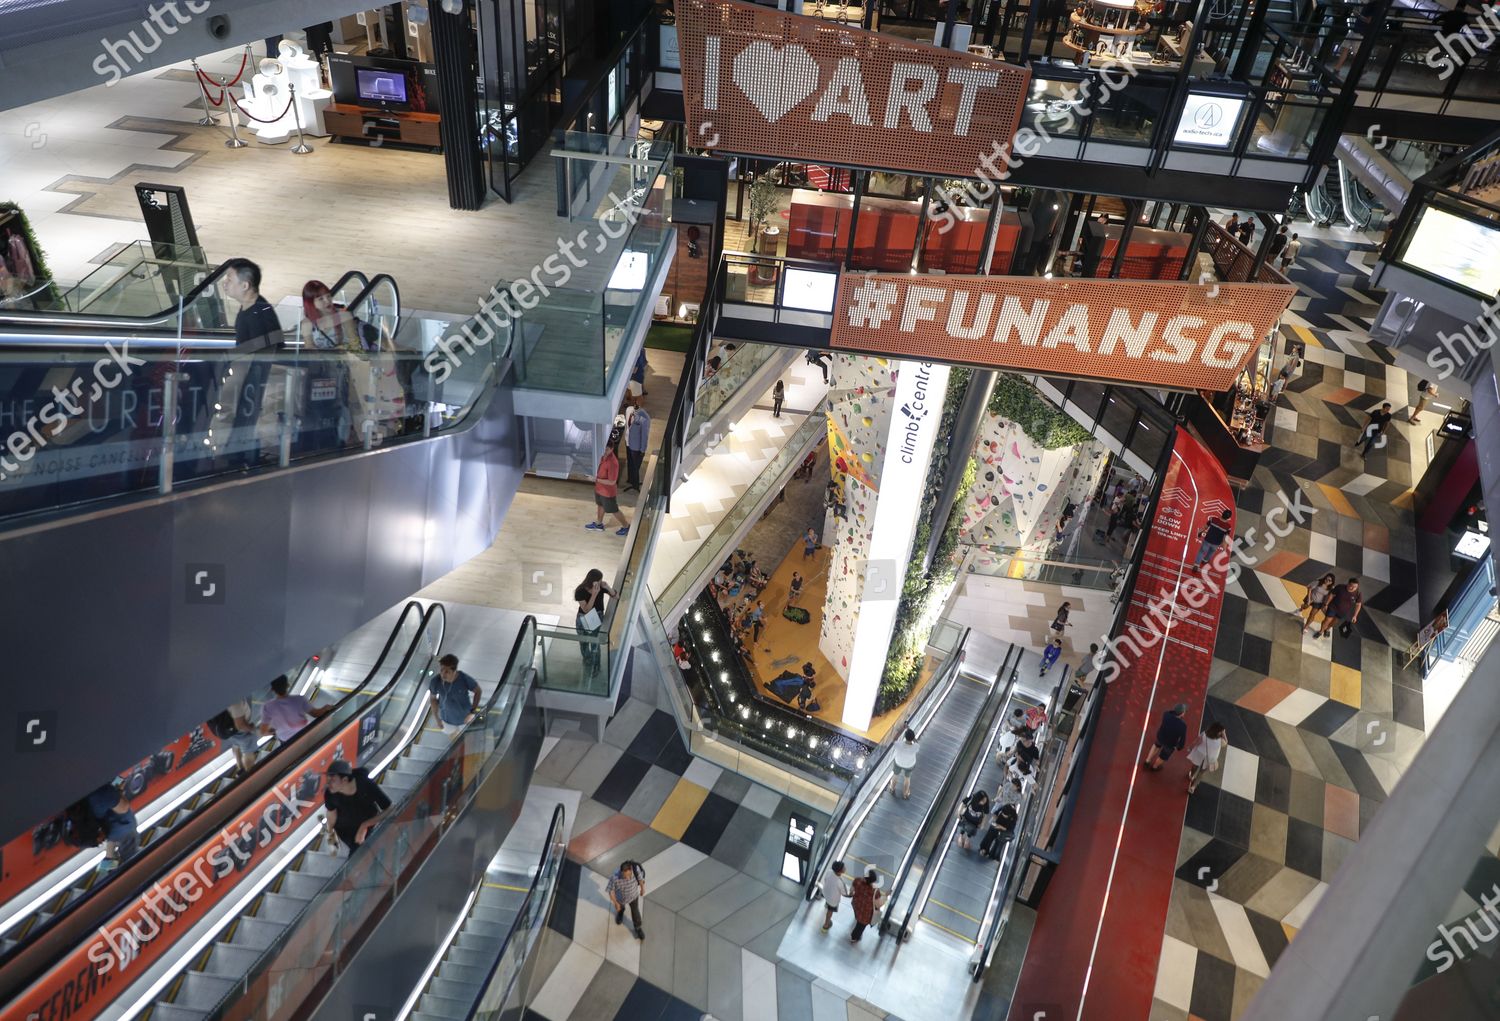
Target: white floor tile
x=1377 y=565
x=1322 y=549
x=1298 y=915
x=1174 y=973
x=1297 y=706
x=703 y=773
x=1240 y=769
x=1240 y=937
x=667 y=865
x=758 y=987
x=761 y=800
x=564 y=987
x=828 y=1004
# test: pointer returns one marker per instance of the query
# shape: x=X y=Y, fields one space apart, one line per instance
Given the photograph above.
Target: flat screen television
x=1463 y=252
x=383 y=87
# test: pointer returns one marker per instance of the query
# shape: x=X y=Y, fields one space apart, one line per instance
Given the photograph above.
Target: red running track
x=1094 y=951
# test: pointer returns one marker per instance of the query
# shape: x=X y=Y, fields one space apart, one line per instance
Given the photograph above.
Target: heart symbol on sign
x=775 y=80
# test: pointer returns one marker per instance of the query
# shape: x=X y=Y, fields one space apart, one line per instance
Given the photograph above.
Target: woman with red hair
x=329 y=326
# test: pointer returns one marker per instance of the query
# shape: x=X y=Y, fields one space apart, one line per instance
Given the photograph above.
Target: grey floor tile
x=627 y=723
x=712 y=908
x=642 y=847
x=769 y=942
x=793 y=995
x=732 y=786
x=650 y=794
x=562 y=759
x=593 y=768
x=660 y=947
x=756 y=917
x=740 y=837
x=606 y=993
x=590 y=814
x=690 y=963
x=725 y=990
x=699 y=881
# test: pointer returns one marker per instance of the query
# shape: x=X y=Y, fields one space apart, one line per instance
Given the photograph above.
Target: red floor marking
x=1094 y=951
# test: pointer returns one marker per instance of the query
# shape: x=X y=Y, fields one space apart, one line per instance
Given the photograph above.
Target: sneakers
x=594 y=526
x=640 y=934
x=827 y=926
x=621 y=531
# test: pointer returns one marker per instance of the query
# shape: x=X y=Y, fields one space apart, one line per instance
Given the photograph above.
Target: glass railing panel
x=109 y=432
x=572 y=660
x=316 y=945
x=734 y=369
x=560 y=342
x=716 y=547
x=498 y=998
x=1079 y=572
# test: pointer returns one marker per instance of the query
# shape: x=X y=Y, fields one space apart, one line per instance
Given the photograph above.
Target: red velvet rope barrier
x=211 y=99
x=211 y=80
x=273 y=120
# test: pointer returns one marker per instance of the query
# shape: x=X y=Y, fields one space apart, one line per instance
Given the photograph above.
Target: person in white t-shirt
x=905 y=757
x=834 y=891
x=1205 y=754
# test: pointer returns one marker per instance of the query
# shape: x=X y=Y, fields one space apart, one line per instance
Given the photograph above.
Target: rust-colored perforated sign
x=766 y=83
x=1154 y=333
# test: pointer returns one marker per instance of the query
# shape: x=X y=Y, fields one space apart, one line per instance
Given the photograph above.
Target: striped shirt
x=624 y=887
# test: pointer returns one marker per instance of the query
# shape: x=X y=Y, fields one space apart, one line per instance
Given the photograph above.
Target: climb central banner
x=1165 y=334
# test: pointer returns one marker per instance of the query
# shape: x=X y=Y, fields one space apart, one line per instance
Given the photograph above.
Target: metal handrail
x=947 y=798
x=945 y=842
x=551 y=848
x=25 y=963
x=926 y=703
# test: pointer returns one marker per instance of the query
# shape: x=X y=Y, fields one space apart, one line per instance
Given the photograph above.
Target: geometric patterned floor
x=1319 y=730
x=716 y=905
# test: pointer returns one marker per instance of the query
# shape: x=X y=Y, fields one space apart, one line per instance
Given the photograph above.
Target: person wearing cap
x=1170 y=737
x=353 y=801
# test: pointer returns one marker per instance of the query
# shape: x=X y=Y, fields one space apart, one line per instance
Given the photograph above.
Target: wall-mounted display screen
x=810 y=290
x=380 y=86
x=1457 y=250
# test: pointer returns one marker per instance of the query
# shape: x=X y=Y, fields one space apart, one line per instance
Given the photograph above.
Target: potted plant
x=762 y=235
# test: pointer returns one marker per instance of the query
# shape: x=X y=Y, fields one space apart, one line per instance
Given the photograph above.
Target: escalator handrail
x=418 y=789
x=165 y=320
x=847 y=800
x=559 y=818
x=934 y=864
x=370 y=284
x=946 y=799
x=1001 y=894
x=29 y=961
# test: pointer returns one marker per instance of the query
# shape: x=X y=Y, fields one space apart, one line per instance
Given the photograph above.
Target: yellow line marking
x=505 y=886
x=949 y=931
x=868 y=865
x=955 y=910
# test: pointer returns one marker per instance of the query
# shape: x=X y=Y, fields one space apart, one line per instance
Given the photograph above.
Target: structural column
x=454 y=51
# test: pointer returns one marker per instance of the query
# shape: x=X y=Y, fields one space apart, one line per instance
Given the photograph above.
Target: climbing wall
x=859 y=418
x=1021 y=489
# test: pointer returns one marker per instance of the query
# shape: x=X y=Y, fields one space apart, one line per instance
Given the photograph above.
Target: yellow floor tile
x=681 y=805
x=1339 y=500
x=1297 y=592
x=1291 y=932
x=1307 y=336
x=1343 y=685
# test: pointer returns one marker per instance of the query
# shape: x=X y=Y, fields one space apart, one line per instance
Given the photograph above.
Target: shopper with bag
x=1343 y=609
x=1205 y=755
x=866 y=898
x=627 y=889
x=591 y=597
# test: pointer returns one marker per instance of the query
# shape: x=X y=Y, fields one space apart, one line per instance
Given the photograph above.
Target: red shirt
x=609 y=471
x=864 y=901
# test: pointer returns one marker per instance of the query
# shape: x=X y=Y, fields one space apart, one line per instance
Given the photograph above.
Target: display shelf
x=1106 y=28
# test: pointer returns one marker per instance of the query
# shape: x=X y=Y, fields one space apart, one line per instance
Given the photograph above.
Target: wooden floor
x=785 y=645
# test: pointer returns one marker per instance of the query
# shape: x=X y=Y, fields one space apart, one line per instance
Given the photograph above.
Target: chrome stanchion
x=208 y=119
x=234 y=141
x=301 y=148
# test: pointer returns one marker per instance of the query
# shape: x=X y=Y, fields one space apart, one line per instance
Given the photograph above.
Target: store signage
x=797 y=853
x=765 y=82
x=87 y=981
x=1152 y=333
x=1209 y=120
x=670 y=60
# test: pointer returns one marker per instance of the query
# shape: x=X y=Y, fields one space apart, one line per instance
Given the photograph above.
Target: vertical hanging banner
x=763 y=82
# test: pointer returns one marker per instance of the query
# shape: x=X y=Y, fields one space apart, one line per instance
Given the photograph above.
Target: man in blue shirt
x=1050 y=655
x=117 y=822
x=1170 y=736
x=637 y=436
x=455 y=695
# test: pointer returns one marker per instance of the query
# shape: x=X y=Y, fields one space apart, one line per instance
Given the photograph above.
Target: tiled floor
x=716 y=905
x=1319 y=730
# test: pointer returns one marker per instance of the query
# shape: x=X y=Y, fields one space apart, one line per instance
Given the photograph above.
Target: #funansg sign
x=763 y=82
x=1151 y=333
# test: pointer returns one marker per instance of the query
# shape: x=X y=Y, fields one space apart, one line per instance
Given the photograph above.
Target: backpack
x=636 y=869
x=81 y=826
x=1006 y=817
x=222 y=725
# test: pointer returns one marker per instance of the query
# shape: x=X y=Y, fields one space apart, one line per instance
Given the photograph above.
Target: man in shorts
x=1343 y=607
x=245 y=741
x=1170 y=737
x=606 y=489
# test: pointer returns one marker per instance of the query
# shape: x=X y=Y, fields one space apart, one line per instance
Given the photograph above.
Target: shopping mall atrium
x=709 y=510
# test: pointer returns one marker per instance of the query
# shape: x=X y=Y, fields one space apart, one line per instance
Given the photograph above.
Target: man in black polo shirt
x=256 y=328
x=1379 y=422
x=354 y=803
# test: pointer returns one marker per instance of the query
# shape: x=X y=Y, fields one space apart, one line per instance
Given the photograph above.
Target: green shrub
x=1044 y=423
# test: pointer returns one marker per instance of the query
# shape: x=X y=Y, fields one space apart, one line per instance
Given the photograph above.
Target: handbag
x=1345 y=628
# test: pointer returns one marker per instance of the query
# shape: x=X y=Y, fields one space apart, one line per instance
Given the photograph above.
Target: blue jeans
x=1206 y=552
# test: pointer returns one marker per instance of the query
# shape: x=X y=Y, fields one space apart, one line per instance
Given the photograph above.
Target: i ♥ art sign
x=762 y=82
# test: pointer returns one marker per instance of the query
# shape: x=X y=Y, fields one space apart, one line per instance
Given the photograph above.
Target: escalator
x=242 y=828
x=880 y=830
x=1322 y=207
x=389 y=731
x=480 y=970
x=344 y=673
x=964 y=881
